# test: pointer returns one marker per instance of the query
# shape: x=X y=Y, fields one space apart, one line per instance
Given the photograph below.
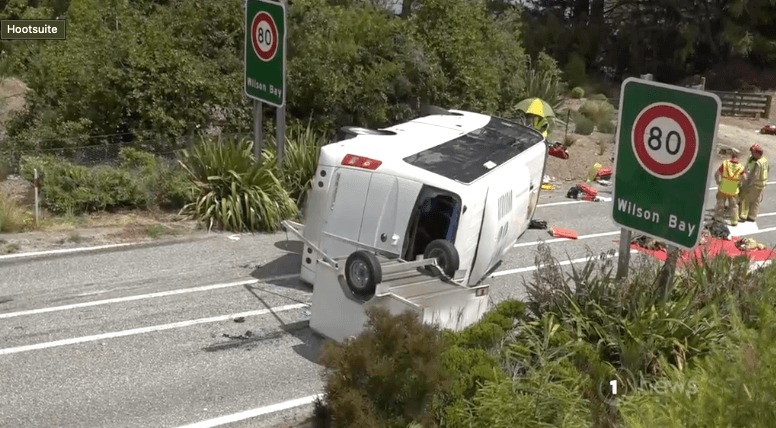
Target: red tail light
x=361 y=162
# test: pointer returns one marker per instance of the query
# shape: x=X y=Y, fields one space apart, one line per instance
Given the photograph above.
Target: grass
x=156 y=231
x=12 y=215
x=75 y=238
x=11 y=248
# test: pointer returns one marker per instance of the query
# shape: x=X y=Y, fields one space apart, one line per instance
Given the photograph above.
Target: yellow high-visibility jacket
x=731 y=175
x=757 y=171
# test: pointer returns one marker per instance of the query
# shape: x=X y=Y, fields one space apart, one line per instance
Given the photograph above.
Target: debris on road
x=537 y=224
x=548 y=187
x=591 y=173
x=718 y=230
x=239 y=319
x=768 y=130
x=559 y=151
x=563 y=233
x=582 y=192
x=547 y=179
x=710 y=247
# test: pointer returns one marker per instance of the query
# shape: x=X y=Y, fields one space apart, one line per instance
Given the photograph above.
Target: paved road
x=181 y=334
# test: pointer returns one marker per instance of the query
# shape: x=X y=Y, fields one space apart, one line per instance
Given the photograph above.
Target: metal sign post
x=37 y=204
x=666 y=136
x=265 y=64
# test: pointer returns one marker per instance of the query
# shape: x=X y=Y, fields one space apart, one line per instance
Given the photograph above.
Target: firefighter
x=753 y=185
x=728 y=176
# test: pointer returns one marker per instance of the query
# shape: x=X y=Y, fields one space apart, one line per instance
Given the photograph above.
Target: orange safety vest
x=731 y=174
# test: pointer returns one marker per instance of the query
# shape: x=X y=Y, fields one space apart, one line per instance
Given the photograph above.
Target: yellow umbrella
x=535 y=106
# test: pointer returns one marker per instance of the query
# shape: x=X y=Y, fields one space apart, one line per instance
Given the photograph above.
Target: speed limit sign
x=265 y=51
x=264 y=36
x=662 y=169
x=665 y=140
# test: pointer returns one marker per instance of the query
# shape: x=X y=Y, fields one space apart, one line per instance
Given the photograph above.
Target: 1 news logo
x=32 y=29
x=625 y=382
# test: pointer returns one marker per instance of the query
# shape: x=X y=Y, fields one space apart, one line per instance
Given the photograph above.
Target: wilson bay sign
x=666 y=136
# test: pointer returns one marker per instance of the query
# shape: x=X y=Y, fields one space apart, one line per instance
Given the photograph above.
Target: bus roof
x=462 y=146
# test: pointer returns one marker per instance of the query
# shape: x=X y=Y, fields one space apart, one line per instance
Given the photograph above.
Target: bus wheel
x=446 y=255
x=363 y=273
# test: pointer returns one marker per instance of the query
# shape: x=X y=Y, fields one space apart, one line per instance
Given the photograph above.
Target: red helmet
x=756 y=149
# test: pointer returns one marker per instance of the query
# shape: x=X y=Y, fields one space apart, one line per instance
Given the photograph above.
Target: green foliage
x=575 y=71
x=539 y=398
x=734 y=386
x=150 y=70
x=166 y=185
x=141 y=180
x=543 y=80
x=607 y=127
x=599 y=112
x=468 y=361
x=577 y=92
x=583 y=125
x=629 y=328
x=600 y=97
x=387 y=376
x=236 y=192
x=300 y=161
x=12 y=215
x=68 y=188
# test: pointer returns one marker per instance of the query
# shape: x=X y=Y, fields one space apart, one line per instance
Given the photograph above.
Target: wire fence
x=103 y=154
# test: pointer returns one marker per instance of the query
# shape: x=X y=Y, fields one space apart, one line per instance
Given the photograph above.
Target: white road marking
x=228 y=419
x=66 y=250
x=605 y=199
x=548 y=241
x=143 y=296
x=151 y=329
x=567 y=262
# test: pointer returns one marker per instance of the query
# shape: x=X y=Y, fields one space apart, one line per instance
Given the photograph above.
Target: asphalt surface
x=184 y=333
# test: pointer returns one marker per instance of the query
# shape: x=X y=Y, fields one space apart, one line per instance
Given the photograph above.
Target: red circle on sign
x=687 y=157
x=273 y=49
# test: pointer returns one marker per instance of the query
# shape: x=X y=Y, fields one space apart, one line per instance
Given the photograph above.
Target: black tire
x=446 y=255
x=363 y=273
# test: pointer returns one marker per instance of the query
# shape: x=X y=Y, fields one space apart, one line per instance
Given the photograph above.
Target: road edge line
x=241 y=416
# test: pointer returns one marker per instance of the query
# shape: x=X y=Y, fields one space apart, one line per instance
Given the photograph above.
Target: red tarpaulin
x=712 y=247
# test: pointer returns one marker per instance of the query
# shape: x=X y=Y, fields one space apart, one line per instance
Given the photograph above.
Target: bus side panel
x=344 y=210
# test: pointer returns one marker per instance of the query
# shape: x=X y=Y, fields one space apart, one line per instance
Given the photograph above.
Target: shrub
x=629 y=325
x=12 y=216
x=73 y=189
x=607 y=127
x=387 y=376
x=577 y=92
x=300 y=161
x=583 y=125
x=600 y=97
x=733 y=386
x=236 y=192
x=165 y=185
x=575 y=71
x=543 y=80
x=5 y=169
x=598 y=111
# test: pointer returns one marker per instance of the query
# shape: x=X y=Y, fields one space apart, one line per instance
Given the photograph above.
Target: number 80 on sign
x=264 y=36
x=665 y=140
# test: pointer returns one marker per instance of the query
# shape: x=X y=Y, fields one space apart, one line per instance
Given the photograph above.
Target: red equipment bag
x=587 y=189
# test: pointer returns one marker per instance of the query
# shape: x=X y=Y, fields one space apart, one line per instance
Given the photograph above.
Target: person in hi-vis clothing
x=728 y=176
x=753 y=186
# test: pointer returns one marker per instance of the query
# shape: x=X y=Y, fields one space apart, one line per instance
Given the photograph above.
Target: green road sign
x=265 y=52
x=666 y=136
